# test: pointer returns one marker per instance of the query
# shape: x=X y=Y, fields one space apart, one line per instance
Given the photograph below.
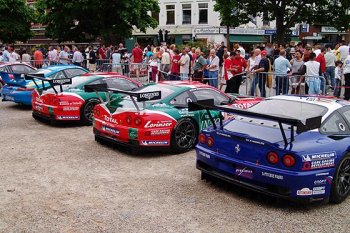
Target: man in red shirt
x=136 y=55
x=238 y=64
x=175 y=66
x=320 y=59
x=101 y=53
x=38 y=58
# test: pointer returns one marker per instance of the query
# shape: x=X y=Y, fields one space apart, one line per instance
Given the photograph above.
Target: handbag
x=269 y=76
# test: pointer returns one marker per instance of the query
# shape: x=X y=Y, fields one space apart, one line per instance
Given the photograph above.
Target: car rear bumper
x=296 y=186
x=129 y=143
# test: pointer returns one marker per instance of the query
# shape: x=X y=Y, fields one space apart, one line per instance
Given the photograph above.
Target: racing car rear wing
x=301 y=125
x=52 y=81
x=140 y=96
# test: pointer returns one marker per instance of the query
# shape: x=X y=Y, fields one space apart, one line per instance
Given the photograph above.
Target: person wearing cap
x=261 y=72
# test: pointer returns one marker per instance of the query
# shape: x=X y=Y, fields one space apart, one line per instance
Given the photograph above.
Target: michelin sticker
x=155 y=143
x=319 y=160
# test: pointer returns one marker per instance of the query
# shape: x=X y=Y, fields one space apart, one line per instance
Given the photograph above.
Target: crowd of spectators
x=317 y=68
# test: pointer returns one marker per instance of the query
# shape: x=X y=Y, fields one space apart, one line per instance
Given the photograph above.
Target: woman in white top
x=250 y=68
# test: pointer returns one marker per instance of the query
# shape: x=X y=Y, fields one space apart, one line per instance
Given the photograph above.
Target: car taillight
x=272 y=157
x=138 y=121
x=128 y=120
x=202 y=138
x=288 y=160
x=210 y=142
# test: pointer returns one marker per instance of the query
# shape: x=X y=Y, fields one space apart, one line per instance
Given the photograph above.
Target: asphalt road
x=58 y=179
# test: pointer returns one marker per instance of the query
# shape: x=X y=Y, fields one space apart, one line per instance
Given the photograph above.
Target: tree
x=287 y=13
x=85 y=20
x=231 y=15
x=15 y=21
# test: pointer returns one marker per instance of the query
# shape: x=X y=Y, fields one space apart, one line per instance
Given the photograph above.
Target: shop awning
x=247 y=38
x=295 y=39
x=312 y=38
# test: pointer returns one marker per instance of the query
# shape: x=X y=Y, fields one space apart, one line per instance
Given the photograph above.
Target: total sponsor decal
x=319 y=160
x=110 y=119
x=68 y=117
x=70 y=108
x=314 y=191
x=158 y=124
x=244 y=172
x=110 y=130
x=160 y=132
x=272 y=175
x=154 y=143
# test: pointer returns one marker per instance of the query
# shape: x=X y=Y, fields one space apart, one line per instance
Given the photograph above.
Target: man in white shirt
x=312 y=71
x=346 y=72
x=63 y=56
x=184 y=65
x=116 y=61
x=330 y=66
x=343 y=50
x=165 y=64
x=53 y=55
x=213 y=68
x=317 y=50
x=77 y=57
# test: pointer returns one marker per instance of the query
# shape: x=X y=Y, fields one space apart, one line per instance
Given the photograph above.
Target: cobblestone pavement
x=58 y=179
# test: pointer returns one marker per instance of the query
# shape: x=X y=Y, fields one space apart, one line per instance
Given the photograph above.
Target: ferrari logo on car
x=237 y=149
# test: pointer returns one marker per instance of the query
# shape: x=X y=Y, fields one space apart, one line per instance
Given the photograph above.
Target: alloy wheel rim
x=343 y=180
x=88 y=111
x=185 y=135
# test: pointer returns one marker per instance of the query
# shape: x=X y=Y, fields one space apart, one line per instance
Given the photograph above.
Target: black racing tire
x=184 y=135
x=35 y=117
x=86 y=110
x=341 y=181
x=205 y=176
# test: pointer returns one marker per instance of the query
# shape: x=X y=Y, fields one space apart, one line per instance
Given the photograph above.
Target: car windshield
x=288 y=108
x=165 y=92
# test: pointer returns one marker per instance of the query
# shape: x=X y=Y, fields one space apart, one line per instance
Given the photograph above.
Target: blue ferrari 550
x=20 y=90
x=293 y=147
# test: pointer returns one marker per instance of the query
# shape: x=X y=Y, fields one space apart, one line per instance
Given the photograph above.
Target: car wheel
x=341 y=181
x=184 y=135
x=35 y=117
x=86 y=111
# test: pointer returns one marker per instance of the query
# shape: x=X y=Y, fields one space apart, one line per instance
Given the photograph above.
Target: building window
x=186 y=14
x=170 y=14
x=203 y=13
x=155 y=15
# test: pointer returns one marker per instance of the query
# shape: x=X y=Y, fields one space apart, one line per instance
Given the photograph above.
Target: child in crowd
x=338 y=78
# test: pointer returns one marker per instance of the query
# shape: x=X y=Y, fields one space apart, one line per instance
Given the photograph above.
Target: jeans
x=323 y=85
x=184 y=77
x=213 y=78
x=259 y=79
x=314 y=84
x=337 y=88
x=282 y=85
x=330 y=75
x=347 y=84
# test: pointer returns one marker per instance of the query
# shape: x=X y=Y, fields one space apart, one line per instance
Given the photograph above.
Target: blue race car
x=293 y=147
x=20 y=90
x=13 y=70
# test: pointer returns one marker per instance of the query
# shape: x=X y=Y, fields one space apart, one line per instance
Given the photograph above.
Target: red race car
x=156 y=115
x=70 y=102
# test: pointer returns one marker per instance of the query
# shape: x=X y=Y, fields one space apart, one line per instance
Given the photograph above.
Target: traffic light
x=274 y=38
x=166 y=32
x=288 y=36
x=160 y=33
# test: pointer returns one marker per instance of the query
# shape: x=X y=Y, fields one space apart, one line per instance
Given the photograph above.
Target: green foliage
x=15 y=21
x=85 y=20
x=195 y=44
x=287 y=13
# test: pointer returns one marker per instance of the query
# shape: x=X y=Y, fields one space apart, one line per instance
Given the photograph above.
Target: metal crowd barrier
x=268 y=84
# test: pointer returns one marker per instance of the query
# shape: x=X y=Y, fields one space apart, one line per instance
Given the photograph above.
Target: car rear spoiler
x=140 y=96
x=52 y=81
x=301 y=125
x=10 y=77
